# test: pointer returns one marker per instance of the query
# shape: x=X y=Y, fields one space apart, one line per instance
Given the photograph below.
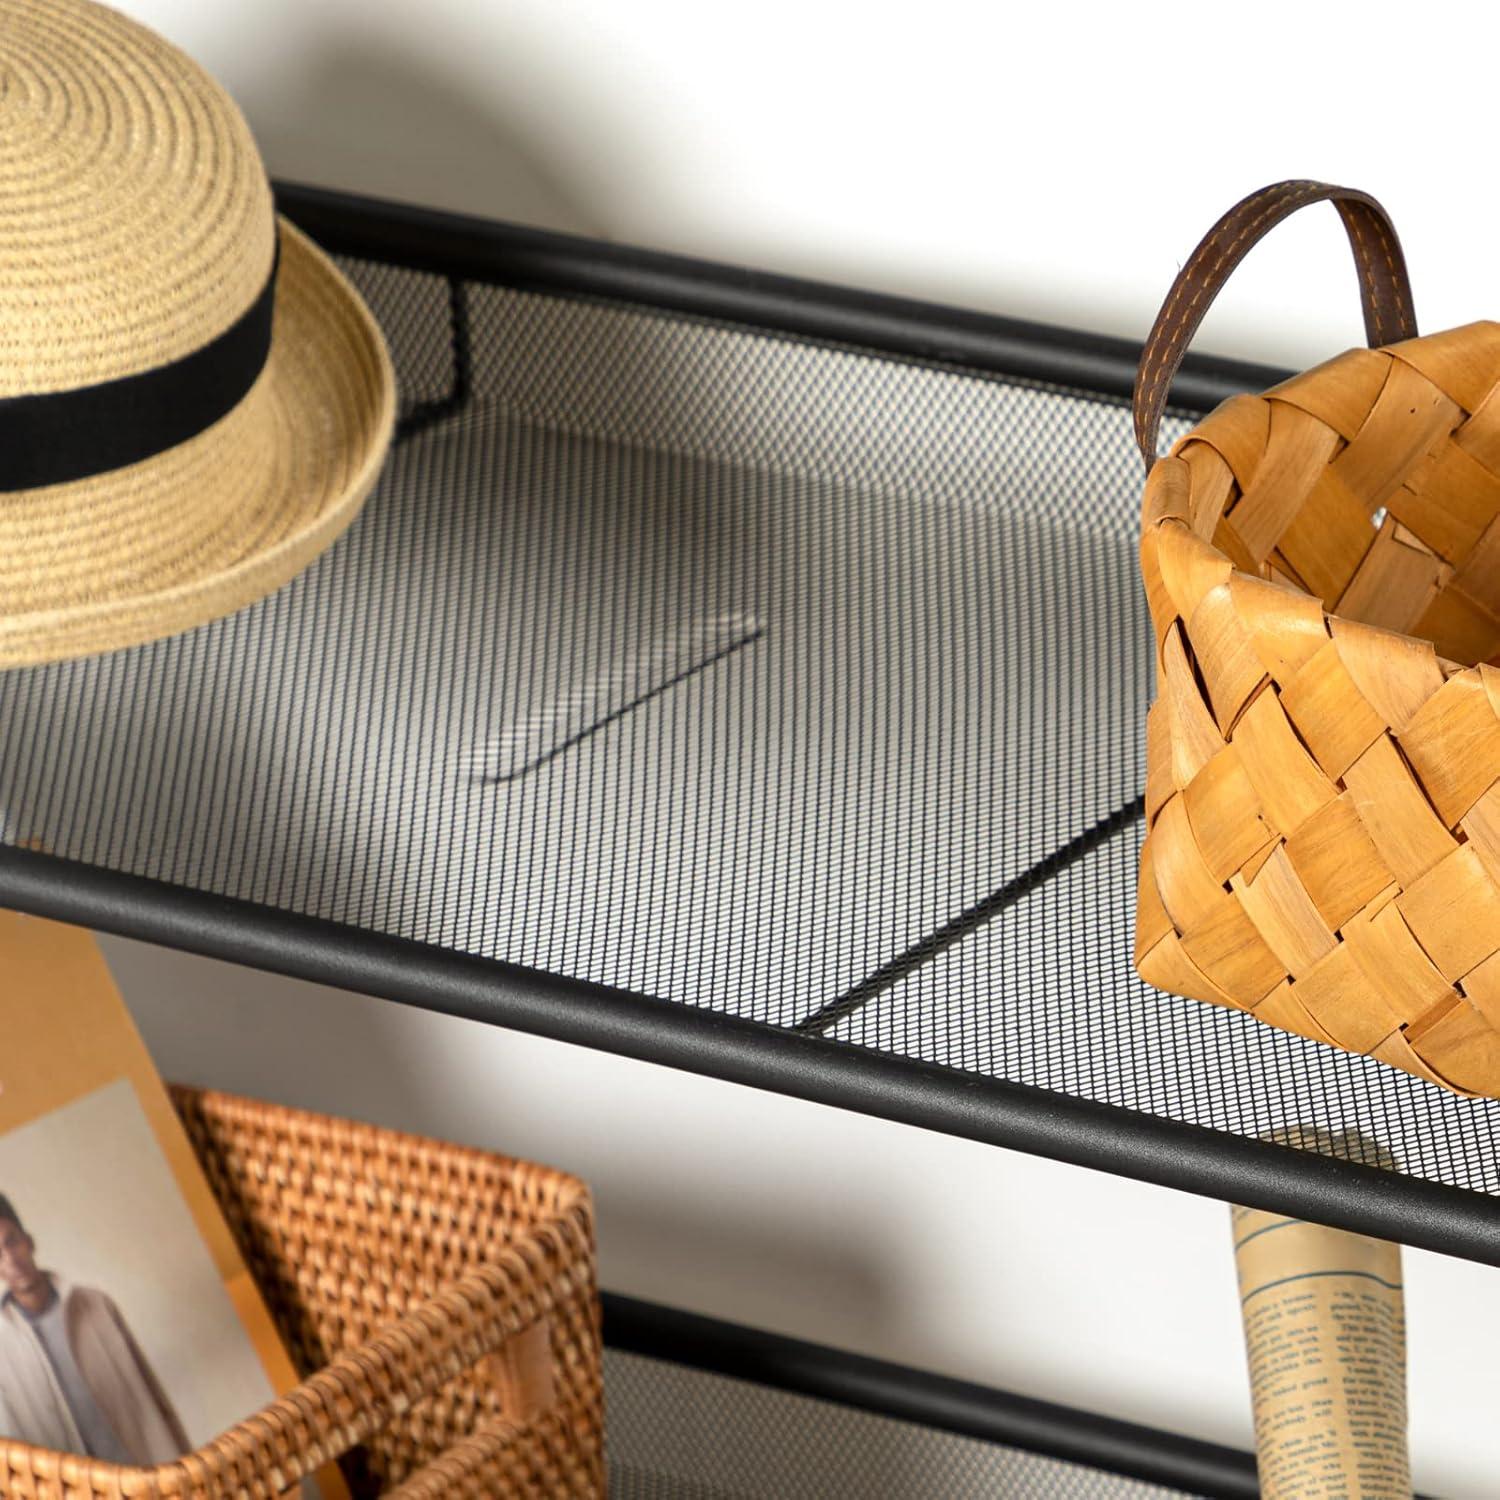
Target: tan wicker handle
x=1384 y=287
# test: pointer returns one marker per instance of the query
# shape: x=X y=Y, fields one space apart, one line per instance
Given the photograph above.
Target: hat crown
x=137 y=222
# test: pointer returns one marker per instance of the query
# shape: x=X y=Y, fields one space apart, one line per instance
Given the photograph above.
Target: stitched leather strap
x=1384 y=287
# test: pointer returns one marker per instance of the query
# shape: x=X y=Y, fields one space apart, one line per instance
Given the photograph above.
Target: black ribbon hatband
x=59 y=436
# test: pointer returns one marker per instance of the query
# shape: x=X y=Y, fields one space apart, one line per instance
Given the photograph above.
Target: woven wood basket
x=1322 y=563
x=444 y=1297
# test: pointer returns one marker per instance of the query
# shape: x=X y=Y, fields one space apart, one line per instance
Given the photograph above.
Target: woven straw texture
x=137 y=224
x=1322 y=564
x=445 y=1298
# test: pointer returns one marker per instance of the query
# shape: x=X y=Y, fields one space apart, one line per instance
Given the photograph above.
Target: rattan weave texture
x=441 y=1302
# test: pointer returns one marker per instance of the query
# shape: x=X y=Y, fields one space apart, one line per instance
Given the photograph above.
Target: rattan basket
x=1322 y=563
x=441 y=1301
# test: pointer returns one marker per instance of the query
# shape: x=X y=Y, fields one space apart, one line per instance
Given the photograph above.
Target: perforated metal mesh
x=725 y=667
x=679 y=1434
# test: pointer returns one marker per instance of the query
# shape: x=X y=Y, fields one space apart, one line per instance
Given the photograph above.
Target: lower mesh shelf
x=674 y=1433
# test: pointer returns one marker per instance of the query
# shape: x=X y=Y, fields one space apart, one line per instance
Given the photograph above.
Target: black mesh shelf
x=732 y=671
x=679 y=1434
x=701 y=1409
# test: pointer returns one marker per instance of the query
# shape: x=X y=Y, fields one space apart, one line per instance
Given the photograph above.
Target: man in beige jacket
x=71 y=1375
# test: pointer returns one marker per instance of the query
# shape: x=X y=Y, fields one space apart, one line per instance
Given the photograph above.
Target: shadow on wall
x=360 y=118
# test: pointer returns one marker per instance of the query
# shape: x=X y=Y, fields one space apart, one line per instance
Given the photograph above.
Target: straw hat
x=194 y=402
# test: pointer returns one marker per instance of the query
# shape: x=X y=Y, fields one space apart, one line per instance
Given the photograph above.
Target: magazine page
x=130 y=1327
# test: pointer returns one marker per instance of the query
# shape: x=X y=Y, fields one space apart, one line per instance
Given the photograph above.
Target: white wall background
x=1046 y=162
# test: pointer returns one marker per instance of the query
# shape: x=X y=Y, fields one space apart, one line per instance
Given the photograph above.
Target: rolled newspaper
x=1325 y=1336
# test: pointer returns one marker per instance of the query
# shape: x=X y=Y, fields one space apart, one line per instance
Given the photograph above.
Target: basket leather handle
x=1384 y=287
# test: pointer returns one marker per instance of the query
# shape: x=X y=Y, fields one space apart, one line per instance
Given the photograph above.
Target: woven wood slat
x=1323 y=782
x=440 y=1301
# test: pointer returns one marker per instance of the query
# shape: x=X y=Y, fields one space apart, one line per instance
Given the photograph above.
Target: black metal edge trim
x=957 y=928
x=1127 y=1143
x=517 y=255
x=936 y=1401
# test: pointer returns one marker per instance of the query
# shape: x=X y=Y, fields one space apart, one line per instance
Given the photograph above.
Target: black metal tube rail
x=1172 y=1153
x=515 y=255
x=935 y=1401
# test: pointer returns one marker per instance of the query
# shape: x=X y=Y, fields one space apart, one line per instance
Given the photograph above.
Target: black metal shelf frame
x=961 y=1407
x=989 y=1110
x=803 y=1062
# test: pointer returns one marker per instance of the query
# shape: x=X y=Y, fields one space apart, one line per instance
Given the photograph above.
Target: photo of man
x=72 y=1376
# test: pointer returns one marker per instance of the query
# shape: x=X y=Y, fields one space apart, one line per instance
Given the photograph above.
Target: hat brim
x=229 y=516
